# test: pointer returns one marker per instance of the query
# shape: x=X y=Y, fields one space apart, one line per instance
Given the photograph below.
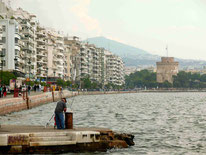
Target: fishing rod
x=72 y=101
x=49 y=121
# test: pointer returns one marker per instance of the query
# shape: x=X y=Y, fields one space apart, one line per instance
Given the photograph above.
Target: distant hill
x=116 y=47
x=133 y=56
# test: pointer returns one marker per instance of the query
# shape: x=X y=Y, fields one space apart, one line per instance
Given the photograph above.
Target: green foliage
x=6 y=76
x=141 y=79
x=31 y=83
x=61 y=82
x=189 y=80
x=86 y=83
x=183 y=79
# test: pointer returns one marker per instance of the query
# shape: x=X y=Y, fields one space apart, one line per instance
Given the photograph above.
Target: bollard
x=16 y=92
x=53 y=96
x=68 y=120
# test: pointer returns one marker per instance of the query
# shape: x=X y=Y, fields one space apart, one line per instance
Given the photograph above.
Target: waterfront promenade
x=10 y=104
x=32 y=93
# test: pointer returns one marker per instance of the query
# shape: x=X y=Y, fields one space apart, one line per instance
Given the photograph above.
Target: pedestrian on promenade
x=29 y=89
x=39 y=87
x=20 y=90
x=60 y=108
x=4 y=91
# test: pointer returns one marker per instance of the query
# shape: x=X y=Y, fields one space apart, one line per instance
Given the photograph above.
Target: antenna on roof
x=9 y=3
x=167 y=50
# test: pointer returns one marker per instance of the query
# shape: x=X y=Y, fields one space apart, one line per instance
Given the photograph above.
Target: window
x=16 y=40
x=3 y=52
x=4 y=28
x=3 y=63
x=3 y=40
x=16 y=52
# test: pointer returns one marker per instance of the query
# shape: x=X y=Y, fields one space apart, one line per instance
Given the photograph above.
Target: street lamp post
x=2 y=64
x=29 y=69
x=46 y=75
x=54 y=74
x=15 y=61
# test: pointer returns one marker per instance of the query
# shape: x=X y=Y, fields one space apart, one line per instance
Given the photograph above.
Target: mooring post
x=53 y=95
x=27 y=100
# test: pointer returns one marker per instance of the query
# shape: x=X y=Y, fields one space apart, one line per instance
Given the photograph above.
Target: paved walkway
x=5 y=129
x=32 y=93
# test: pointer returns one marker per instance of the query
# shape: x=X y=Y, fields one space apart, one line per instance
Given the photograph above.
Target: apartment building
x=75 y=49
x=38 y=52
x=28 y=27
x=55 y=54
x=9 y=45
x=114 y=69
x=5 y=11
x=41 y=51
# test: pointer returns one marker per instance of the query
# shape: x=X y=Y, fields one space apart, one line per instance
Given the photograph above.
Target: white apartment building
x=28 y=47
x=27 y=23
x=95 y=64
x=5 y=10
x=9 y=44
x=74 y=45
x=114 y=69
x=55 y=53
x=41 y=54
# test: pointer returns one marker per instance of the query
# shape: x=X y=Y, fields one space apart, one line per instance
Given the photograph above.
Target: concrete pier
x=41 y=140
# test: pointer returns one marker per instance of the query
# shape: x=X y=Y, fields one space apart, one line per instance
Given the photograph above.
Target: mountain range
x=133 y=56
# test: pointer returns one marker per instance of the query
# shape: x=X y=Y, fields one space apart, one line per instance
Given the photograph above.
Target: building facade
x=39 y=52
x=114 y=69
x=9 y=44
x=166 y=69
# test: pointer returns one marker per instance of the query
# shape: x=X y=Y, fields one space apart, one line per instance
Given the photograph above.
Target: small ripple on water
x=163 y=123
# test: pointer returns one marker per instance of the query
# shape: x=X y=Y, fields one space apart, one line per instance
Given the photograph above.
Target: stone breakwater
x=9 y=105
x=36 y=139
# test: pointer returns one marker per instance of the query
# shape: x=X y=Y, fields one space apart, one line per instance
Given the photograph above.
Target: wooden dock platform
x=41 y=140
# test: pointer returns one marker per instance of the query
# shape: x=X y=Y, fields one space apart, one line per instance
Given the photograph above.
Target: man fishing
x=60 y=108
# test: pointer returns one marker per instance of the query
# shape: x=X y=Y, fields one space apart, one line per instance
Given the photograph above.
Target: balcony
x=17 y=36
x=28 y=32
x=84 y=71
x=59 y=42
x=25 y=23
x=41 y=47
x=30 y=48
x=39 y=61
x=41 y=33
x=60 y=54
x=28 y=39
x=41 y=41
x=40 y=54
x=44 y=62
x=60 y=48
x=84 y=67
x=17 y=47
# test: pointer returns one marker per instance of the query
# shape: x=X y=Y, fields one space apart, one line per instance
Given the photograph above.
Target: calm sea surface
x=163 y=123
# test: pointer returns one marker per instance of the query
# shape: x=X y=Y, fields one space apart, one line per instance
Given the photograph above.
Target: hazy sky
x=146 y=24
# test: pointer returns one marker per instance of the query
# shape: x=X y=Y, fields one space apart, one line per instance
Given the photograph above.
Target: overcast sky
x=146 y=24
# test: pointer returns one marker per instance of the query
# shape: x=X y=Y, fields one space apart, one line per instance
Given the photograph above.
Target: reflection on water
x=163 y=123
